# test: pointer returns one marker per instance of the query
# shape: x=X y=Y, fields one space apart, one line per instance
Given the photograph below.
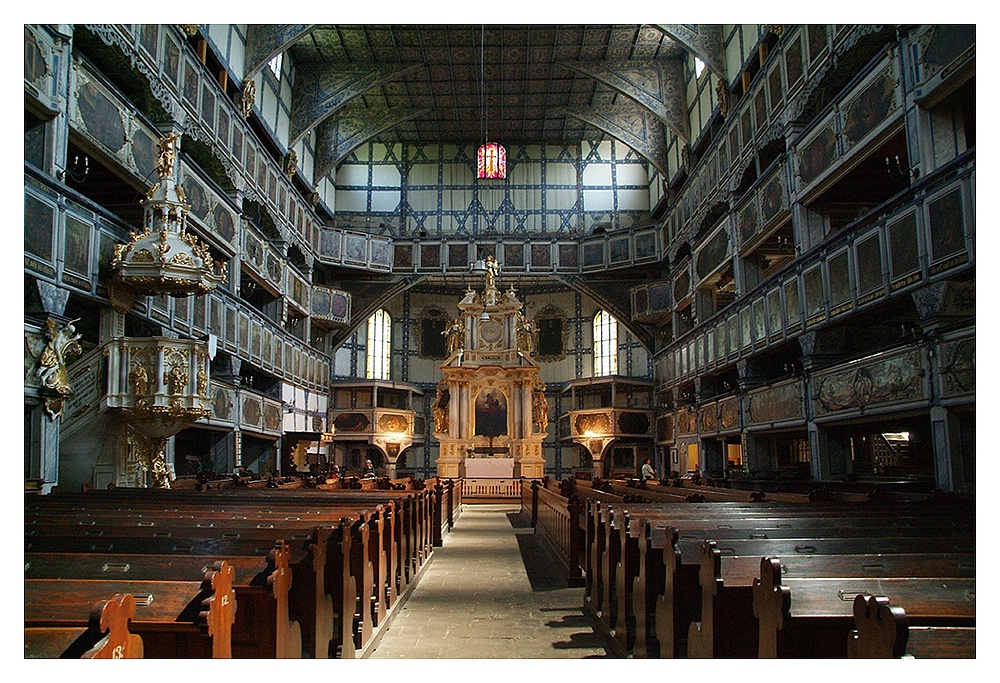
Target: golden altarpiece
x=490 y=404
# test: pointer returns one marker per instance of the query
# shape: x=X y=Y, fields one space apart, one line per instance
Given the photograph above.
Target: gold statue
x=441 y=409
x=492 y=270
x=168 y=155
x=177 y=379
x=455 y=331
x=140 y=380
x=539 y=405
x=526 y=329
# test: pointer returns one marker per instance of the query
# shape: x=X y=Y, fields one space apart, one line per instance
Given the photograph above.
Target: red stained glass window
x=492 y=161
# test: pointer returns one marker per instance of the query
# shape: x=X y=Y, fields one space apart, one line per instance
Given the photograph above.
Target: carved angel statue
x=455 y=331
x=526 y=329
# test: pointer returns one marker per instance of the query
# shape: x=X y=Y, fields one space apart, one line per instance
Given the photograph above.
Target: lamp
x=484 y=317
x=898 y=173
x=491 y=158
x=491 y=161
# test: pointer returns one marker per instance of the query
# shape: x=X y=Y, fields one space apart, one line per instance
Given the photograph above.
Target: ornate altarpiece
x=491 y=401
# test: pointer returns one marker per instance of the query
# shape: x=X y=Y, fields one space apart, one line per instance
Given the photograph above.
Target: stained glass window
x=492 y=161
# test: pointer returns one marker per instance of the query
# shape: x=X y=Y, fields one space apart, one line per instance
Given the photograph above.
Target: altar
x=489 y=468
x=490 y=413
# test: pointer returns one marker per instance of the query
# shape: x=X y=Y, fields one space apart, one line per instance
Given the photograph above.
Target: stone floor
x=492 y=591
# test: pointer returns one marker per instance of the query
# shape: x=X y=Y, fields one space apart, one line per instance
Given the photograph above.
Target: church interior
x=313 y=312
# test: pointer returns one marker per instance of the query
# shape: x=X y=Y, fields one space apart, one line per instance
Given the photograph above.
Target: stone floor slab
x=492 y=591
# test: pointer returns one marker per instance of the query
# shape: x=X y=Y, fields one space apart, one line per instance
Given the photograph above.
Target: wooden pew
x=882 y=631
x=315 y=552
x=616 y=561
x=386 y=561
x=415 y=510
x=173 y=618
x=106 y=635
x=262 y=627
x=558 y=521
x=728 y=627
x=813 y=617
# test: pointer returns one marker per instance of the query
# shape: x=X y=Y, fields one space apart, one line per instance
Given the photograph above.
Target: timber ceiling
x=518 y=73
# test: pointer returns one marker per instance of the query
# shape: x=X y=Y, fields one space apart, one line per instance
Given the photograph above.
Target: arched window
x=275 y=65
x=379 y=345
x=699 y=66
x=605 y=344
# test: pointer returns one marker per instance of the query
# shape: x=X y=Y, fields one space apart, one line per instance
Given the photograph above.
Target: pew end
x=106 y=635
x=882 y=632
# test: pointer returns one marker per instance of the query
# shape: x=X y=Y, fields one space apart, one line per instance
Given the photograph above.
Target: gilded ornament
x=190 y=30
x=54 y=407
x=722 y=95
x=163 y=247
x=63 y=345
x=291 y=164
x=182 y=259
x=248 y=98
x=202 y=382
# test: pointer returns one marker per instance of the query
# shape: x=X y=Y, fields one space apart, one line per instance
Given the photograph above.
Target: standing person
x=369 y=471
x=647 y=470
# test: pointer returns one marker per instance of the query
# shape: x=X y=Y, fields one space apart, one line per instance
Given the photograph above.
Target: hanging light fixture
x=491 y=159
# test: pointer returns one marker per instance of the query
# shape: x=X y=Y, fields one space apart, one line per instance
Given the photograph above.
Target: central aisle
x=492 y=591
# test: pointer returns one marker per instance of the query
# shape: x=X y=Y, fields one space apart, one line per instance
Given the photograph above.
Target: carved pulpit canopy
x=164 y=258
